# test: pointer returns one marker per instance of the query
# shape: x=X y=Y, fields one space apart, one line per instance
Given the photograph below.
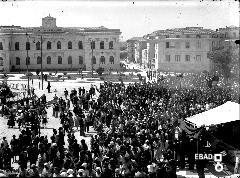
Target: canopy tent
x=227 y=112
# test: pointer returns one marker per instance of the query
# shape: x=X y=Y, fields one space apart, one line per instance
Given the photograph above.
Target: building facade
x=69 y=48
x=135 y=46
x=182 y=49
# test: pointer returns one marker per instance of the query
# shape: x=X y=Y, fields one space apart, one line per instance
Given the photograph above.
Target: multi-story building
x=61 y=48
x=182 y=49
x=135 y=46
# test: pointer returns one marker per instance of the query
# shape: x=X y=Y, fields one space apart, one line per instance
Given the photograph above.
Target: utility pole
x=41 y=63
x=27 y=63
x=92 y=56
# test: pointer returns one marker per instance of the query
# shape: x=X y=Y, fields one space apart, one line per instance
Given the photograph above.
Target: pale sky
x=133 y=19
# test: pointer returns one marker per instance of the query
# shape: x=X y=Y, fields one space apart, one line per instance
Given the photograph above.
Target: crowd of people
x=138 y=132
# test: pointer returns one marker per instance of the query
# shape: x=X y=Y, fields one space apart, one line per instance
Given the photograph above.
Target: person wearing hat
x=70 y=173
x=35 y=172
x=14 y=147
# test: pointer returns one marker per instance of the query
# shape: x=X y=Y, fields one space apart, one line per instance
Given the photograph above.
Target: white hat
x=70 y=171
x=84 y=165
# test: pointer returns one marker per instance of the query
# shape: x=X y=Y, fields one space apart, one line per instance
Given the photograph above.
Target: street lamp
x=41 y=41
x=27 y=48
x=92 y=45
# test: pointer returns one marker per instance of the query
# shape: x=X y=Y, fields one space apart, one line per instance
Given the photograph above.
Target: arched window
x=38 y=45
x=94 y=60
x=198 y=36
x=49 y=45
x=80 y=45
x=59 y=46
x=92 y=44
x=27 y=60
x=1 y=46
x=69 y=45
x=111 y=60
x=39 y=60
x=17 y=46
x=102 y=45
x=69 y=59
x=111 y=45
x=1 y=61
x=17 y=61
x=27 y=46
x=102 y=60
x=59 y=59
x=80 y=60
x=48 y=60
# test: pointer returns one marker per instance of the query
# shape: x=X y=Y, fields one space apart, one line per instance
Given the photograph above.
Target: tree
x=224 y=61
x=100 y=71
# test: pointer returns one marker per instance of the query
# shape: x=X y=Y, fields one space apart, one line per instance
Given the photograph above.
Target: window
x=70 y=60
x=168 y=58
x=48 y=60
x=92 y=44
x=69 y=45
x=94 y=60
x=198 y=58
x=1 y=61
x=198 y=44
x=167 y=36
x=102 y=60
x=167 y=45
x=198 y=36
x=187 y=44
x=111 y=60
x=17 y=46
x=59 y=59
x=177 y=36
x=49 y=45
x=111 y=45
x=1 y=46
x=177 y=44
x=27 y=46
x=102 y=45
x=59 y=46
x=17 y=61
x=39 y=61
x=187 y=58
x=234 y=35
x=27 y=60
x=80 y=60
x=177 y=58
x=80 y=45
x=38 y=45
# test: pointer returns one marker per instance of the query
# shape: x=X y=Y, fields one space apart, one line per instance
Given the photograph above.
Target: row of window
x=187 y=36
x=177 y=45
x=178 y=58
x=60 y=60
x=59 y=45
x=1 y=61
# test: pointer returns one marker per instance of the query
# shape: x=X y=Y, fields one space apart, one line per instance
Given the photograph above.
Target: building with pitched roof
x=62 y=48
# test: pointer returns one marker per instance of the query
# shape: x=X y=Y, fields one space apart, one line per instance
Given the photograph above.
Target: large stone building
x=67 y=48
x=135 y=46
x=181 y=49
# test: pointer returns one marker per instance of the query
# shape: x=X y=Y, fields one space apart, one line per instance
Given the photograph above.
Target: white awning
x=227 y=112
